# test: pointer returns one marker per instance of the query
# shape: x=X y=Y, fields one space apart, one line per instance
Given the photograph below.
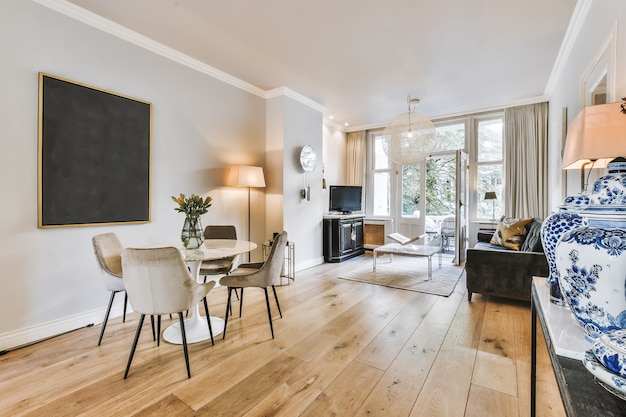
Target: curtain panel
x=355 y=158
x=525 y=161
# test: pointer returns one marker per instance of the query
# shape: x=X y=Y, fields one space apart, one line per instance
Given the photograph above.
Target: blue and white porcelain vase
x=553 y=227
x=591 y=260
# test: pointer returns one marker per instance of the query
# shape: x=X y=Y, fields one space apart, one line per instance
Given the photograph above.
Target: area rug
x=409 y=273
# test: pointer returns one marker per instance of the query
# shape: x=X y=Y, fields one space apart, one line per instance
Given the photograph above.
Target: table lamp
x=596 y=136
x=491 y=195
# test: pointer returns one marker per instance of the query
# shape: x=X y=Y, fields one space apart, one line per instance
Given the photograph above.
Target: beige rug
x=409 y=273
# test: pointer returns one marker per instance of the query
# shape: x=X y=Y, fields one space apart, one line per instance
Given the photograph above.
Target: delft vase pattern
x=591 y=260
x=557 y=224
x=610 y=189
x=610 y=350
x=192 y=234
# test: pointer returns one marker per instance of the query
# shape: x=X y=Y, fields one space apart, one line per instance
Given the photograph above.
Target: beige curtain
x=355 y=158
x=525 y=161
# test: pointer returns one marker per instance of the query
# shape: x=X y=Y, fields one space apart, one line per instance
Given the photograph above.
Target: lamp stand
x=493 y=211
x=249 y=240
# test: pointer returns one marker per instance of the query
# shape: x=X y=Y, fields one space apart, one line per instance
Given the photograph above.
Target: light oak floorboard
x=342 y=348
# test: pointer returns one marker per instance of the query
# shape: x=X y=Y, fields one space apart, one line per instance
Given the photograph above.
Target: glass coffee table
x=409 y=250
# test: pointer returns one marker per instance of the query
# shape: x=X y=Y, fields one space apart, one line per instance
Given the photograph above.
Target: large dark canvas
x=94 y=155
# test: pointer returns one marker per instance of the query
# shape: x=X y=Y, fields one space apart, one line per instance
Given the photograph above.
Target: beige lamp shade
x=491 y=195
x=246 y=176
x=597 y=133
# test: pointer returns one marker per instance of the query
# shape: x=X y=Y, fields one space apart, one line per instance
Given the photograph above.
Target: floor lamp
x=246 y=176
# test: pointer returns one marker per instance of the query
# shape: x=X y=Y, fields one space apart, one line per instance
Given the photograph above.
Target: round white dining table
x=196 y=326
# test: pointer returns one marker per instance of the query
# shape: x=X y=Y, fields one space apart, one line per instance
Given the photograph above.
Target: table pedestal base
x=196 y=329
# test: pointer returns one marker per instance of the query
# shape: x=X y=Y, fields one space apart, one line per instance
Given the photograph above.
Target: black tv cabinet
x=343 y=237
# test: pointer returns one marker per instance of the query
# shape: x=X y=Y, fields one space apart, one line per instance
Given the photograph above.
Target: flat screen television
x=345 y=198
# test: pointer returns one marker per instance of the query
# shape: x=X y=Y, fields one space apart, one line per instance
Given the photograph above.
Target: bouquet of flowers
x=192 y=206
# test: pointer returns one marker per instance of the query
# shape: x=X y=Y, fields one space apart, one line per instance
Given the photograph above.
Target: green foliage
x=440 y=187
x=192 y=206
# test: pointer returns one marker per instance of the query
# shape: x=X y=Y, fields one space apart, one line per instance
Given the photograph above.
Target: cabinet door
x=346 y=241
x=358 y=233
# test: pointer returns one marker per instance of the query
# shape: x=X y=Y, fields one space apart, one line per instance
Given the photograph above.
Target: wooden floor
x=342 y=348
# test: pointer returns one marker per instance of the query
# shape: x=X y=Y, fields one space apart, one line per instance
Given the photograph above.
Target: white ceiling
x=360 y=59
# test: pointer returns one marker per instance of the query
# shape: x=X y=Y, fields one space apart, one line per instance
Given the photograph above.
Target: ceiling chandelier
x=410 y=137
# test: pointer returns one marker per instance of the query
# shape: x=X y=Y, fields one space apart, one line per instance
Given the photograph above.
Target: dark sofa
x=503 y=272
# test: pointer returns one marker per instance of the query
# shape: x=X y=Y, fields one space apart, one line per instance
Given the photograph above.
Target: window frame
x=471 y=123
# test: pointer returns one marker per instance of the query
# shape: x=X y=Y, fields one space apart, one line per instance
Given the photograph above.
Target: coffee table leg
x=430 y=267
x=375 y=255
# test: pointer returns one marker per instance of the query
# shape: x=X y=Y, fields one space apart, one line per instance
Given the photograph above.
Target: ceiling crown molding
x=287 y=92
x=78 y=13
x=573 y=30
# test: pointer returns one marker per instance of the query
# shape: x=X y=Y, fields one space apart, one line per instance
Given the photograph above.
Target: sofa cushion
x=532 y=243
x=511 y=233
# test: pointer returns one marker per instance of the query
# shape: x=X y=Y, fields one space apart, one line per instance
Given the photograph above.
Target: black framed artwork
x=93 y=155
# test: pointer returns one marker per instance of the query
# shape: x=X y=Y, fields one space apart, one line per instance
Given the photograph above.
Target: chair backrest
x=157 y=280
x=447 y=226
x=108 y=250
x=274 y=263
x=220 y=232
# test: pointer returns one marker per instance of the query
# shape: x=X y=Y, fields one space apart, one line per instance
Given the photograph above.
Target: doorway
x=444 y=187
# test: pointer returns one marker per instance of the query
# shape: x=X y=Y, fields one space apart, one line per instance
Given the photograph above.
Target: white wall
x=603 y=19
x=291 y=125
x=334 y=162
x=50 y=280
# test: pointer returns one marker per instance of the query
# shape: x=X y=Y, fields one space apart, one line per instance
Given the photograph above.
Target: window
x=489 y=157
x=399 y=196
x=381 y=177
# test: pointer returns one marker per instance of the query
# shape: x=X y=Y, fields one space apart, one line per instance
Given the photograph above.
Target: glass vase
x=192 y=234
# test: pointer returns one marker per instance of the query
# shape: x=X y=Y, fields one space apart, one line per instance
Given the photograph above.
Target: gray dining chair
x=108 y=250
x=264 y=277
x=218 y=266
x=158 y=282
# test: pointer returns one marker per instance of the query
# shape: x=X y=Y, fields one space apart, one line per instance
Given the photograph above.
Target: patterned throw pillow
x=511 y=232
x=532 y=243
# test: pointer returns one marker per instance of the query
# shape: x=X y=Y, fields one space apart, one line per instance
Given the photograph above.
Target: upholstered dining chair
x=108 y=251
x=263 y=277
x=218 y=266
x=158 y=282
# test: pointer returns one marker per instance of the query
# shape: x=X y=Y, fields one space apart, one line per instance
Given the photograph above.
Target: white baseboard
x=309 y=264
x=53 y=328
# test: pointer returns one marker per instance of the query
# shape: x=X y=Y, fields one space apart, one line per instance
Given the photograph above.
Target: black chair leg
x=106 y=316
x=277 y=303
x=228 y=309
x=153 y=330
x=269 y=312
x=132 y=350
x=240 y=302
x=159 y=331
x=125 y=303
x=208 y=319
x=184 y=336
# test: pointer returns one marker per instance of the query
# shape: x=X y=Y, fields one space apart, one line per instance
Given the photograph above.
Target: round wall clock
x=308 y=159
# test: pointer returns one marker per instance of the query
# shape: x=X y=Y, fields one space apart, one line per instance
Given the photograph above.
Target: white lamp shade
x=246 y=176
x=596 y=133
